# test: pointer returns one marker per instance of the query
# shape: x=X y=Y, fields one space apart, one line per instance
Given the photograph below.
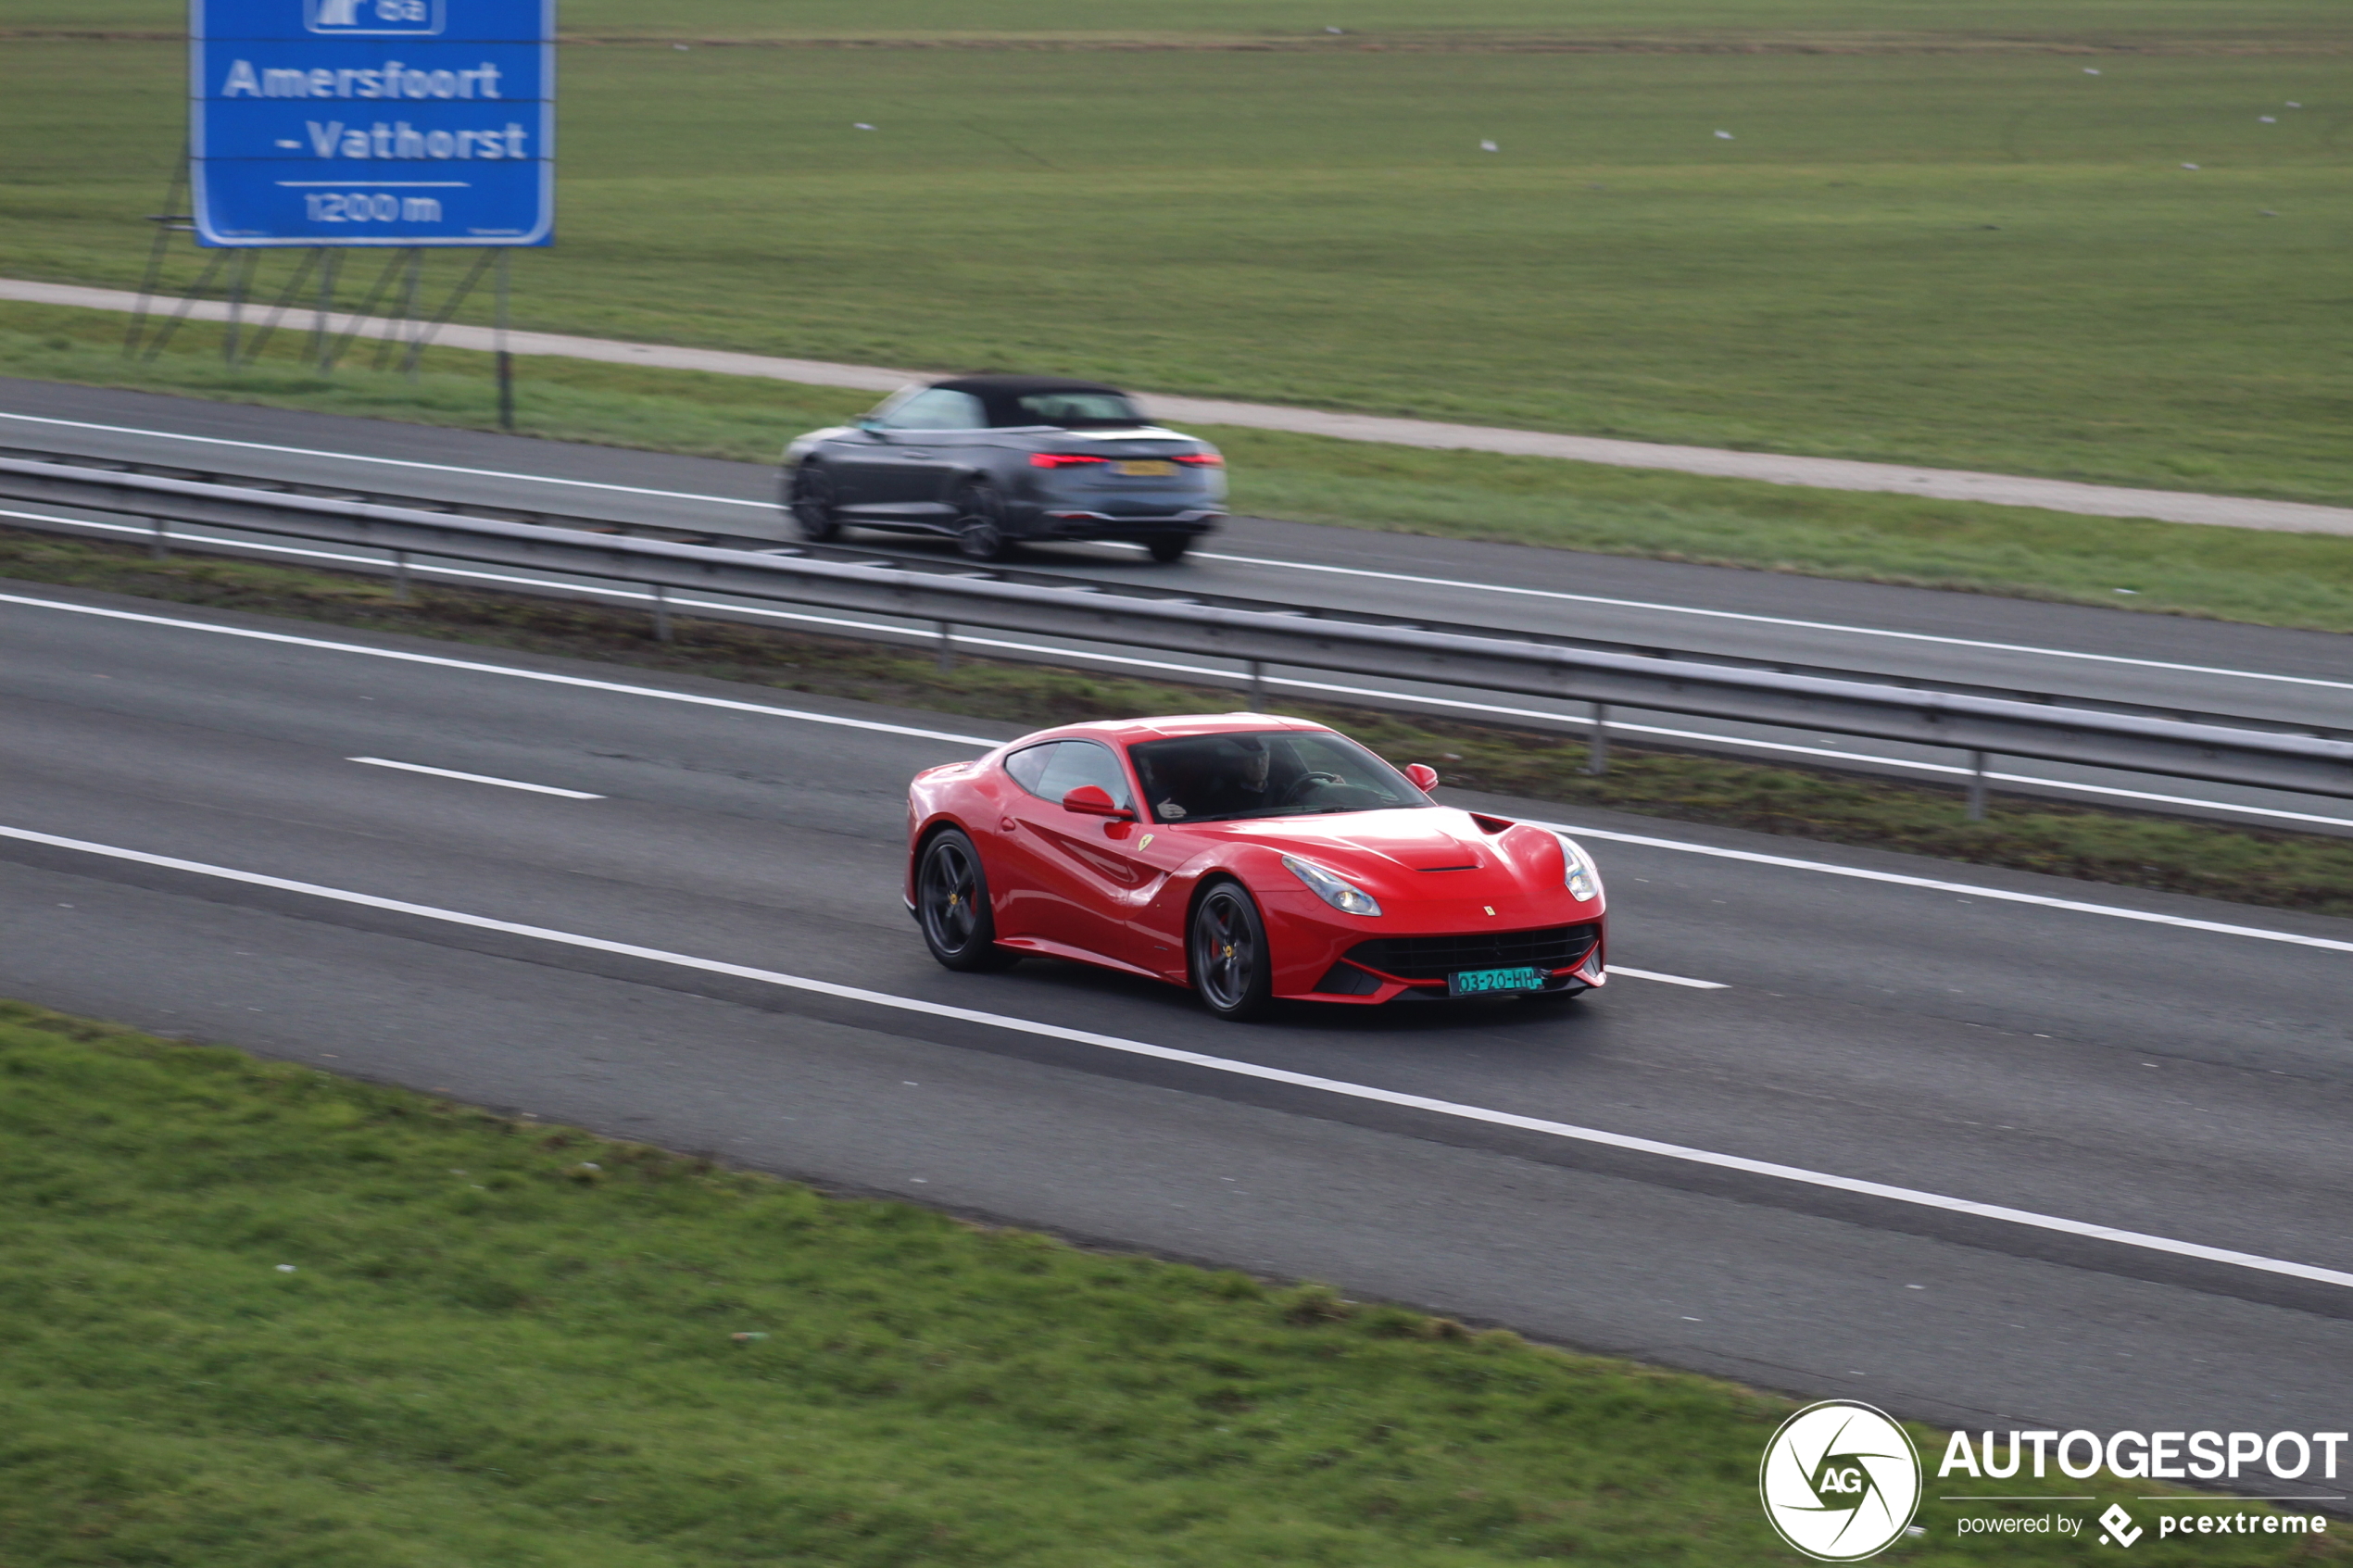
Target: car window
x=1028 y=765
x=1266 y=773
x=934 y=408
x=1053 y=770
x=1078 y=763
x=1074 y=410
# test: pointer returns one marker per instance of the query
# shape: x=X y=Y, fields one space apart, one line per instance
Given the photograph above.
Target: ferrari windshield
x=1266 y=773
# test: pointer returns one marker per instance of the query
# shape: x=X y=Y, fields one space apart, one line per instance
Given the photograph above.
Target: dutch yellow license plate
x=1148 y=470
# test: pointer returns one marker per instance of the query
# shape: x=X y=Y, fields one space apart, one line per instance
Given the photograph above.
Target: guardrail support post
x=947 y=647
x=159 y=546
x=401 y=575
x=1597 y=754
x=1257 y=687
x=661 y=613
x=1977 y=786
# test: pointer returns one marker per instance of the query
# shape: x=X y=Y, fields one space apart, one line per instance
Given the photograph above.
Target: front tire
x=951 y=904
x=813 y=496
x=980 y=523
x=1233 y=973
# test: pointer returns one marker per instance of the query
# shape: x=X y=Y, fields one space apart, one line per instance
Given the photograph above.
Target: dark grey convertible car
x=991 y=461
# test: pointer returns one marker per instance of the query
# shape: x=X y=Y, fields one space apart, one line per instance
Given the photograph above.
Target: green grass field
x=1932 y=235
x=259 y=1315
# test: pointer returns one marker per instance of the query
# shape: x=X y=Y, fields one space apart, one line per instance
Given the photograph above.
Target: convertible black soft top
x=1000 y=395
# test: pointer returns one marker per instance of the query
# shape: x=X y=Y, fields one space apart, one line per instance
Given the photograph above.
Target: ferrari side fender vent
x=1493 y=824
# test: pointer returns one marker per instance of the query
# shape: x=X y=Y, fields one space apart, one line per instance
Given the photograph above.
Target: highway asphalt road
x=709 y=953
x=2258 y=672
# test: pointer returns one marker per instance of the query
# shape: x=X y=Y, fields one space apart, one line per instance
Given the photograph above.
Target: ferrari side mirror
x=1093 y=800
x=1425 y=777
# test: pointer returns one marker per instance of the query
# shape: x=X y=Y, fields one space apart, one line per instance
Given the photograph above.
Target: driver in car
x=1241 y=782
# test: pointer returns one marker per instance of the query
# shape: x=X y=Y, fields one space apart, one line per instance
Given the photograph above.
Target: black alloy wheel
x=813 y=503
x=951 y=904
x=980 y=523
x=1169 y=548
x=1233 y=973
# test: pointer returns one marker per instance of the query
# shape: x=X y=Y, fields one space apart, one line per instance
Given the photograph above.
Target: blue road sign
x=372 y=122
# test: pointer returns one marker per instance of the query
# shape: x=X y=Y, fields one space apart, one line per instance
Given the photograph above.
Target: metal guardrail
x=685 y=532
x=2216 y=749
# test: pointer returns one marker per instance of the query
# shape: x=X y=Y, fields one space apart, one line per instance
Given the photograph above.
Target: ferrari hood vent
x=1428 y=851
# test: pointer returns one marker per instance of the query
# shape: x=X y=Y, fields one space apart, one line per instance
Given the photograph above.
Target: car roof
x=1015 y=386
x=1128 y=731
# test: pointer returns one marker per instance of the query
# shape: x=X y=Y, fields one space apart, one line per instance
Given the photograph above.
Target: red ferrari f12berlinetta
x=1248 y=857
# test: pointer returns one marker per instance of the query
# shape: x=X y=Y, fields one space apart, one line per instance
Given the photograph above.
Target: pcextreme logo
x=1839 y=1481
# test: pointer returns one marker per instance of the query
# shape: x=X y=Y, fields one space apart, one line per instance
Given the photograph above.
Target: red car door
x=1079 y=887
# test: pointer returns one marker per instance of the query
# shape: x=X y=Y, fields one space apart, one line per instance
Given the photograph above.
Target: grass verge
x=2234 y=574
x=259 y=1314
x=2286 y=871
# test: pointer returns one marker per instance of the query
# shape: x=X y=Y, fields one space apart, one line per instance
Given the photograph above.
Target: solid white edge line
x=1769 y=620
x=475 y=667
x=475 y=778
x=1618 y=971
x=1223 y=1064
x=1935 y=884
x=1744 y=741
x=1250 y=560
x=392 y=462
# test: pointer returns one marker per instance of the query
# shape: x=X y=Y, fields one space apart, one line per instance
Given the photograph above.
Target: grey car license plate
x=1484 y=981
x=1148 y=470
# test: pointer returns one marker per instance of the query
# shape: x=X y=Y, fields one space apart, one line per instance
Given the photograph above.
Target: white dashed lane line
x=475 y=778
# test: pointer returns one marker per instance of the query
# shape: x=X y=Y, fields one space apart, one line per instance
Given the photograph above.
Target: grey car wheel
x=1233 y=973
x=1169 y=548
x=980 y=523
x=951 y=904
x=814 y=497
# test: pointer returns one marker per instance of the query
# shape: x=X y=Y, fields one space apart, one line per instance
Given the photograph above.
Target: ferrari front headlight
x=1583 y=882
x=1336 y=891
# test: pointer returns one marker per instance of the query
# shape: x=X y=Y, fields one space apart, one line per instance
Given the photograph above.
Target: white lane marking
x=1822 y=867
x=1970 y=890
x=475 y=667
x=1744 y=741
x=1618 y=971
x=1254 y=560
x=393 y=463
x=1222 y=1064
x=1772 y=619
x=475 y=778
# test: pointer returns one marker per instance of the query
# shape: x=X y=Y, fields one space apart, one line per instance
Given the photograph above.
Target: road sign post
x=323 y=125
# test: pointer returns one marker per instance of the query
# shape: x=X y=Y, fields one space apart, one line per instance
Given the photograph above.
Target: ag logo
x=375 y=17
x=1839 y=1481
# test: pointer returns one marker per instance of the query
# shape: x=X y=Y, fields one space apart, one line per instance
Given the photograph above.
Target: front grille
x=1434 y=958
